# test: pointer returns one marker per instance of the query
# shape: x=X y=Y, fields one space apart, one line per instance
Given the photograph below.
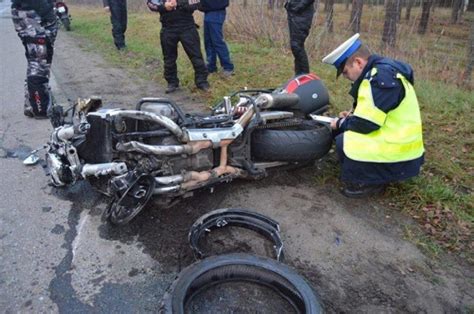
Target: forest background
x=435 y=36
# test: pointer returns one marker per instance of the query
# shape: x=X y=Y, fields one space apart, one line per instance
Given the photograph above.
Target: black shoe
x=121 y=47
x=171 y=88
x=28 y=111
x=204 y=87
x=360 y=190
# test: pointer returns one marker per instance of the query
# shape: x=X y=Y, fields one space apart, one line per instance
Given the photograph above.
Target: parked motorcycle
x=158 y=150
x=62 y=14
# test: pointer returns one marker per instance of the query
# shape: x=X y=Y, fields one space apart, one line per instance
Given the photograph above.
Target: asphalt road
x=54 y=253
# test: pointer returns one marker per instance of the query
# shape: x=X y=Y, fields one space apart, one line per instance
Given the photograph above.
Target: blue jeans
x=215 y=46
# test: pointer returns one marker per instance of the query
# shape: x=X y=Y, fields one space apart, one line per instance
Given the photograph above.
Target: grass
x=441 y=198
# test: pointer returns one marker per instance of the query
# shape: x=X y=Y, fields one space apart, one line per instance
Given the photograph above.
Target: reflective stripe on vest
x=400 y=135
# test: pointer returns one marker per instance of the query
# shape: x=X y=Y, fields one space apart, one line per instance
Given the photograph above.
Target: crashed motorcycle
x=158 y=150
x=62 y=15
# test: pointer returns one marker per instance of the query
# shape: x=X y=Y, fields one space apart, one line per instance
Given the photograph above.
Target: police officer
x=380 y=139
x=35 y=23
x=300 y=17
x=118 y=18
x=178 y=25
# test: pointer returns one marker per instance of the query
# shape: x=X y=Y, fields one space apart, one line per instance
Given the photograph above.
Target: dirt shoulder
x=353 y=252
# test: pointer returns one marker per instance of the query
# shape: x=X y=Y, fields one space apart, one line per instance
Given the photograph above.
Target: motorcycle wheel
x=239 y=267
x=306 y=142
x=124 y=208
x=67 y=23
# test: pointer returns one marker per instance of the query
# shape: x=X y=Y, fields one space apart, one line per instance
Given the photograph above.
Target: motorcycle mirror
x=31 y=159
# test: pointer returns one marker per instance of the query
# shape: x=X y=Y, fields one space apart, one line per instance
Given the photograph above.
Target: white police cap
x=339 y=56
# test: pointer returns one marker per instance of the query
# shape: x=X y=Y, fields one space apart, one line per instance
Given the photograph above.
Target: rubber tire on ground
x=310 y=141
x=239 y=267
x=67 y=24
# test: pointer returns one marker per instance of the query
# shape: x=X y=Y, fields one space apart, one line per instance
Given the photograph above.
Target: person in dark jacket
x=177 y=25
x=300 y=17
x=215 y=46
x=118 y=18
x=380 y=140
x=35 y=23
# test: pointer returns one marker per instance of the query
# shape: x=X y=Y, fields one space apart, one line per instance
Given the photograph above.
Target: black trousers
x=299 y=26
x=118 y=17
x=189 y=38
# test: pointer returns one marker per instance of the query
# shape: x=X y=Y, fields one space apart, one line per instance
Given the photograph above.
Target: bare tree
x=408 y=9
x=425 y=16
x=456 y=11
x=279 y=3
x=390 y=26
x=470 y=58
x=356 y=15
x=329 y=15
x=245 y=3
x=399 y=10
x=347 y=4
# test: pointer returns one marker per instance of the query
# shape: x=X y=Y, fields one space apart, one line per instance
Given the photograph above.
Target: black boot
x=360 y=190
x=171 y=88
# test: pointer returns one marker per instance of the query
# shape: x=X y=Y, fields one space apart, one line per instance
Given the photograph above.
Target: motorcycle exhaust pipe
x=148 y=116
x=65 y=133
x=166 y=150
x=277 y=101
x=103 y=169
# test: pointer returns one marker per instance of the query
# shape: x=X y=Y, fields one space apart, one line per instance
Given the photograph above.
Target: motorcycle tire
x=306 y=142
x=67 y=23
x=240 y=267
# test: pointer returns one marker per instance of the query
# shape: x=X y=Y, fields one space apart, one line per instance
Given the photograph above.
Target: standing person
x=214 y=17
x=300 y=17
x=118 y=18
x=380 y=140
x=35 y=23
x=178 y=25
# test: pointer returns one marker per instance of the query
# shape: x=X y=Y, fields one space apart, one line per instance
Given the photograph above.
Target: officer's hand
x=344 y=114
x=334 y=124
x=107 y=9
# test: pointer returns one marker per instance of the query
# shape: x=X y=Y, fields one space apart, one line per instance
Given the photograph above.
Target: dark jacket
x=44 y=8
x=181 y=17
x=213 y=5
x=299 y=6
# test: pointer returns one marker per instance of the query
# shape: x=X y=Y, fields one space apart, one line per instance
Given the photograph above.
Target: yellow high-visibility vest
x=399 y=137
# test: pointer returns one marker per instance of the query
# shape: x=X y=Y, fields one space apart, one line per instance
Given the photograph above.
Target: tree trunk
x=329 y=15
x=270 y=4
x=408 y=9
x=399 y=10
x=425 y=16
x=470 y=58
x=356 y=15
x=347 y=4
x=389 y=35
x=456 y=11
x=245 y=3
